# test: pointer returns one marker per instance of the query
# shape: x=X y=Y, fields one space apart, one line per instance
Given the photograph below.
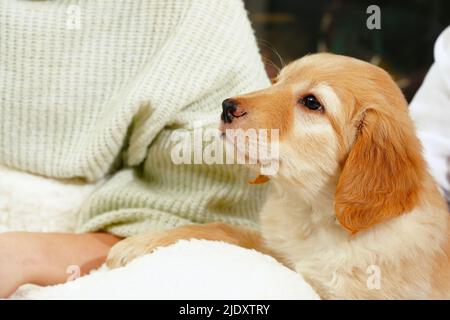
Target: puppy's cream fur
x=353 y=203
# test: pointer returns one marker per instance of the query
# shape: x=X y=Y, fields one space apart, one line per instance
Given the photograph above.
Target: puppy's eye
x=311 y=102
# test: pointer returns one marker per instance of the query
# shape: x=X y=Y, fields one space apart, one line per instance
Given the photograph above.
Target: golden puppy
x=352 y=207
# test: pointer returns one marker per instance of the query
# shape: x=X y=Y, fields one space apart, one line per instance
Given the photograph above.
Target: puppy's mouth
x=253 y=151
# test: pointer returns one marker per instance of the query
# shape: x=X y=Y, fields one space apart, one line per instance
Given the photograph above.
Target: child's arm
x=49 y=258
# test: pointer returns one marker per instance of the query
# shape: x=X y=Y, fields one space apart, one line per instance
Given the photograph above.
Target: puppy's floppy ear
x=382 y=173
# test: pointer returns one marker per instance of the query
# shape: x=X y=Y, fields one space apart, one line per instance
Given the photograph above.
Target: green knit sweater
x=93 y=89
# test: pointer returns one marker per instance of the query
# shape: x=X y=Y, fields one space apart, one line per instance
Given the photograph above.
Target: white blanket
x=196 y=269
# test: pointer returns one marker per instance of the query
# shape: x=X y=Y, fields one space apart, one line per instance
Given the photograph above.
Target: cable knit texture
x=93 y=89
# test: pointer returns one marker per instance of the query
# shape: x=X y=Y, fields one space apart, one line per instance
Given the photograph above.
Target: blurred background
x=289 y=29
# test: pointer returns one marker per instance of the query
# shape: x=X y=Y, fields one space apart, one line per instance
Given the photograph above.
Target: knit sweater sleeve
x=210 y=55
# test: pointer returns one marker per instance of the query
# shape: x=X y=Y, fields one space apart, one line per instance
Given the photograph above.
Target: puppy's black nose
x=229 y=106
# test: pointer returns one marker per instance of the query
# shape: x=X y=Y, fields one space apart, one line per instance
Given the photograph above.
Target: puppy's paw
x=126 y=250
x=130 y=248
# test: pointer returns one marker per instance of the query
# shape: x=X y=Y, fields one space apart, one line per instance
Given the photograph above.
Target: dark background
x=289 y=29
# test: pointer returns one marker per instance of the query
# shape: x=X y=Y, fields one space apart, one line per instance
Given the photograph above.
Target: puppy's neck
x=313 y=199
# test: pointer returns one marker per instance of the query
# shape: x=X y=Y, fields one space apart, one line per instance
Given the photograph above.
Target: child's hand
x=16 y=256
x=46 y=258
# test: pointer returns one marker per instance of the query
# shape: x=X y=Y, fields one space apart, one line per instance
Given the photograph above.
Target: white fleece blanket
x=196 y=269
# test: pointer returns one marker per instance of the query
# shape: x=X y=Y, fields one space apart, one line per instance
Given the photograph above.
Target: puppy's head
x=342 y=122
